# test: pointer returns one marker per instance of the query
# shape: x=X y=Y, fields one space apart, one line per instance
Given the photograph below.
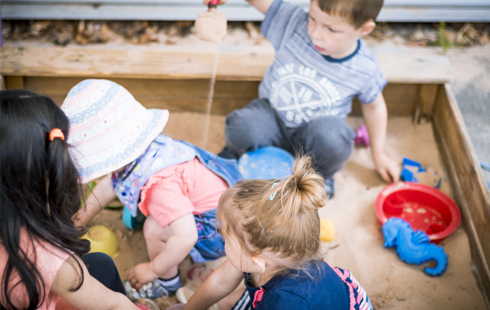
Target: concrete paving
x=471 y=86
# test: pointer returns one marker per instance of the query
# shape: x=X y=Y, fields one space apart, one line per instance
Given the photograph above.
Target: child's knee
x=331 y=135
x=240 y=131
x=257 y=111
x=153 y=231
x=238 y=120
x=333 y=130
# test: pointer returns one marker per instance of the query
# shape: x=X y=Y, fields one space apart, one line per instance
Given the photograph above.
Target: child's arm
x=100 y=197
x=376 y=117
x=91 y=295
x=179 y=244
x=261 y=5
x=218 y=285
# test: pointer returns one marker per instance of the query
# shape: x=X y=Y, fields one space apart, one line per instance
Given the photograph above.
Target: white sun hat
x=108 y=127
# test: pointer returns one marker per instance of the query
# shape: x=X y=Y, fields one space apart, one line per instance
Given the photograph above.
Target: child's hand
x=141 y=274
x=388 y=169
x=220 y=2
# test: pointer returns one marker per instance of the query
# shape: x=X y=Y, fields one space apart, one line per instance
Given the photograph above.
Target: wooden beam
x=14 y=82
x=466 y=179
x=192 y=94
x=242 y=63
x=175 y=95
x=2 y=83
x=425 y=100
x=399 y=100
x=395 y=10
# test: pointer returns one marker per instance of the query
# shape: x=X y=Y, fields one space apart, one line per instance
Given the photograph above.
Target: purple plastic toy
x=362 y=136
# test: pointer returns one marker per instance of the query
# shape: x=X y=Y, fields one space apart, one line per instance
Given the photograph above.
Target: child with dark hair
x=321 y=64
x=43 y=262
x=272 y=242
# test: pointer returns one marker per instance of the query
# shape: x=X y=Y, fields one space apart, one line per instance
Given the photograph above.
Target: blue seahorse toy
x=413 y=247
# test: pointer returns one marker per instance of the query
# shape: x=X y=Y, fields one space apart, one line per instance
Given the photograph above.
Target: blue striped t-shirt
x=302 y=84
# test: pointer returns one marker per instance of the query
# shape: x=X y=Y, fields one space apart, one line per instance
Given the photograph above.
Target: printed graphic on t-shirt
x=300 y=94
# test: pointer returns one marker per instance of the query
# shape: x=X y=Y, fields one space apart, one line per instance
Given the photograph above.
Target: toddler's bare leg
x=156 y=238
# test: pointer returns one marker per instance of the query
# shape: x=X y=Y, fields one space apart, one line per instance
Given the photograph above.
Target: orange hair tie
x=56 y=133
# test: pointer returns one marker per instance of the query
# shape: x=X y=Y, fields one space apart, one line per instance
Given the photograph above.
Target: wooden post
x=2 y=83
x=424 y=102
x=466 y=179
x=14 y=82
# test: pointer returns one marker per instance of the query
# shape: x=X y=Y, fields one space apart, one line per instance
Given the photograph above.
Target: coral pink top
x=48 y=261
x=181 y=189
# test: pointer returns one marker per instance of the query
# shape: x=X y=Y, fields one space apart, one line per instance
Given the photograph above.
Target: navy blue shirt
x=324 y=288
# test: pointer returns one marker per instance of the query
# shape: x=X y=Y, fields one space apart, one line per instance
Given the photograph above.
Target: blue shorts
x=210 y=244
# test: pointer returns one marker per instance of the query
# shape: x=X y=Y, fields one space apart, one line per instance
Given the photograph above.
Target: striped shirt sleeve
x=373 y=87
x=278 y=20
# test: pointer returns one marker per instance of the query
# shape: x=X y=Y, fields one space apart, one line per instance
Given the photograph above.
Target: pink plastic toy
x=362 y=136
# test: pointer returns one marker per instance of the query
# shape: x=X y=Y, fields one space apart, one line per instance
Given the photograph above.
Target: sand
x=211 y=25
x=358 y=244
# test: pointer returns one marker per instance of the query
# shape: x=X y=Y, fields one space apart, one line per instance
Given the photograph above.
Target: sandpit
x=358 y=245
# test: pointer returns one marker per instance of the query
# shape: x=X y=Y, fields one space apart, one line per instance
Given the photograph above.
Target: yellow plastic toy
x=327 y=230
x=102 y=239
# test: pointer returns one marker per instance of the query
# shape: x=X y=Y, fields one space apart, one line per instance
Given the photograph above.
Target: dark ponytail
x=39 y=189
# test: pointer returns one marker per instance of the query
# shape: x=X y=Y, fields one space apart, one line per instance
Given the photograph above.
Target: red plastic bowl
x=424 y=207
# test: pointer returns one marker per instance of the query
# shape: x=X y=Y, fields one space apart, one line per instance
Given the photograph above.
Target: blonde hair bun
x=309 y=185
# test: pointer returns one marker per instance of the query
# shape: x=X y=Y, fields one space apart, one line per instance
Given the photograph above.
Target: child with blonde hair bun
x=271 y=230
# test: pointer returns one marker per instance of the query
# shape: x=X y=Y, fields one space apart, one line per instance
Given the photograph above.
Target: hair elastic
x=56 y=133
x=273 y=195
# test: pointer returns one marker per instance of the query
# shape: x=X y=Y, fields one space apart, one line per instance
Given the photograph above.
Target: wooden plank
x=191 y=62
x=403 y=67
x=192 y=94
x=466 y=179
x=2 y=83
x=424 y=105
x=236 y=11
x=400 y=93
x=399 y=100
x=14 y=82
x=175 y=95
x=434 y=14
x=439 y=3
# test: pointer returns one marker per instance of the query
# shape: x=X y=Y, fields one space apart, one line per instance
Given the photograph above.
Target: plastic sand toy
x=413 y=247
x=102 y=239
x=327 y=230
x=133 y=222
x=269 y=162
x=362 y=136
x=422 y=206
x=412 y=171
x=147 y=304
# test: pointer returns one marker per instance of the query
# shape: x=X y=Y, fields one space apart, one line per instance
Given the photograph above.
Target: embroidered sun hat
x=108 y=127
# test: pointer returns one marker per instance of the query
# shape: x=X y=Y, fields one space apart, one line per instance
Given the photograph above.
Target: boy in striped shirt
x=320 y=65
